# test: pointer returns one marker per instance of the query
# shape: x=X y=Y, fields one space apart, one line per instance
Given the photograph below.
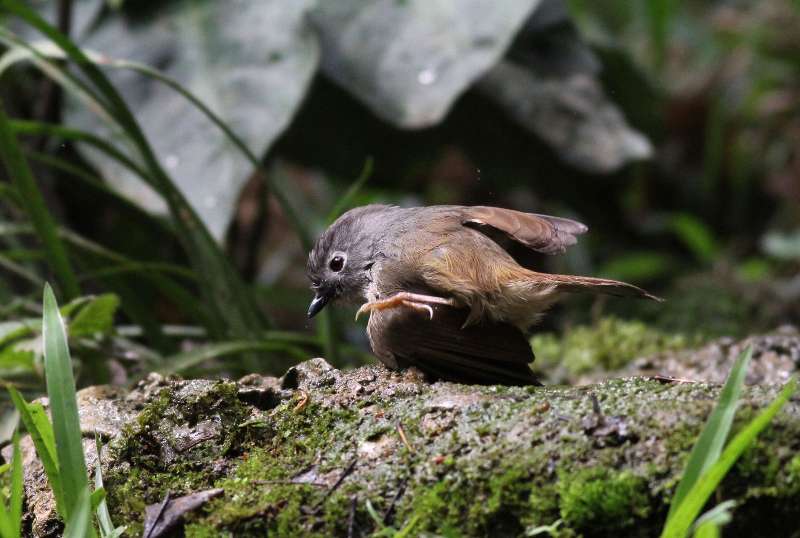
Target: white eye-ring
x=337 y=262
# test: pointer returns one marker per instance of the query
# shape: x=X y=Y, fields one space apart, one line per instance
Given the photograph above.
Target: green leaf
x=551 y=529
x=709 y=529
x=9 y=420
x=96 y=317
x=11 y=518
x=660 y=14
x=41 y=431
x=76 y=135
x=107 y=529
x=346 y=200
x=14 y=362
x=7 y=529
x=709 y=445
x=695 y=235
x=710 y=524
x=78 y=523
x=17 y=492
x=69 y=309
x=234 y=308
x=33 y=202
x=63 y=404
x=637 y=266
x=376 y=518
x=678 y=524
x=408 y=527
x=98 y=496
x=12 y=331
x=210 y=163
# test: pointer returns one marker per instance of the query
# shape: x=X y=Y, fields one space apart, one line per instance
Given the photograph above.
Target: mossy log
x=332 y=453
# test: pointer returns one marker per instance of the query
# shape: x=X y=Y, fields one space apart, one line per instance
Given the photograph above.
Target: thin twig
x=669 y=379
x=402 y=433
x=288 y=483
x=351 y=520
x=336 y=485
x=387 y=514
x=159 y=515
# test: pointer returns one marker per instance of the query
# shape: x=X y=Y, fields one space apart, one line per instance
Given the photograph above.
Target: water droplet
x=172 y=161
x=427 y=76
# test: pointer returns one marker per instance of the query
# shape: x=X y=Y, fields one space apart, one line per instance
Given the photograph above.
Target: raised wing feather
x=542 y=233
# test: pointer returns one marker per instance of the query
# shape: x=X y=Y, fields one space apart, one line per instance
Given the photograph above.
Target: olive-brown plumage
x=449 y=289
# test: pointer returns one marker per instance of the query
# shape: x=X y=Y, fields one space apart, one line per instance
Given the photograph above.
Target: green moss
x=602 y=499
x=542 y=505
x=793 y=475
x=608 y=344
x=152 y=413
x=441 y=508
x=150 y=473
x=461 y=479
x=259 y=495
x=193 y=530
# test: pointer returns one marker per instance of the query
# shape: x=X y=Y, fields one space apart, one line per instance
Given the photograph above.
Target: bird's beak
x=319 y=301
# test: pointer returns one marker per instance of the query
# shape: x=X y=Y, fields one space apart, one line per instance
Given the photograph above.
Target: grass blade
x=41 y=432
x=6 y=525
x=709 y=445
x=232 y=304
x=104 y=522
x=175 y=292
x=26 y=127
x=183 y=361
x=33 y=202
x=11 y=518
x=70 y=170
x=103 y=516
x=678 y=524
x=16 y=486
x=63 y=405
x=710 y=524
x=346 y=200
x=78 y=523
x=297 y=223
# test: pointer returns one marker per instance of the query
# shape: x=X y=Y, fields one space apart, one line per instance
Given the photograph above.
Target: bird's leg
x=417 y=301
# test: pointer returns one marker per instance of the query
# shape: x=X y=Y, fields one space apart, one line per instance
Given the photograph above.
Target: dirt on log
x=347 y=453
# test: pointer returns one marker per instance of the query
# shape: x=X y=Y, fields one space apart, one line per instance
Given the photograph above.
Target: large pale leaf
x=410 y=60
x=250 y=62
x=570 y=113
x=548 y=84
x=83 y=15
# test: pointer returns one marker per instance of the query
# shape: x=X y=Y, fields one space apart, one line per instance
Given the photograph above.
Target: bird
x=450 y=290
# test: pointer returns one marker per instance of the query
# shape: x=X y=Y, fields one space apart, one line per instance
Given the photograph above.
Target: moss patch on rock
x=441 y=458
x=600 y=498
x=333 y=453
x=608 y=344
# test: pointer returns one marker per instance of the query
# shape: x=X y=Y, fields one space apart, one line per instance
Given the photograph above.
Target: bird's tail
x=587 y=284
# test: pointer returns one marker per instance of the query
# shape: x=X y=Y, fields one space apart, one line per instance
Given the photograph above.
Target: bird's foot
x=416 y=301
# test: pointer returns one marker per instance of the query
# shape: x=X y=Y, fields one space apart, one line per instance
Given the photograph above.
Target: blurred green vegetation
x=711 y=222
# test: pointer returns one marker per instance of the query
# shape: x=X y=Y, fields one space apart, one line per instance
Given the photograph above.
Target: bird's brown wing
x=483 y=353
x=542 y=233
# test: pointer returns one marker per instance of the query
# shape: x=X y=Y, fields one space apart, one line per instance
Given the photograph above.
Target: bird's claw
x=412 y=300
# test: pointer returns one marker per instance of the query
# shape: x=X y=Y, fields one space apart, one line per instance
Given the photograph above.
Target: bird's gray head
x=339 y=264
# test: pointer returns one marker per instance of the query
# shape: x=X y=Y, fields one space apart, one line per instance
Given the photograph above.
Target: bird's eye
x=336 y=264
